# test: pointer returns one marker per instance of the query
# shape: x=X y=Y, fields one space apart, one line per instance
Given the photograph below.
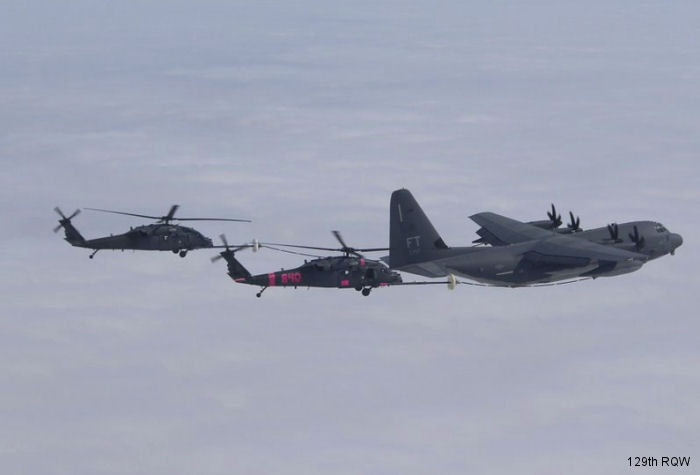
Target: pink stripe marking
x=271 y=279
x=344 y=283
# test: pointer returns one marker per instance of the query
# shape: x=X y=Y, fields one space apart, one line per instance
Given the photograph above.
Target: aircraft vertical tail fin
x=411 y=234
x=235 y=268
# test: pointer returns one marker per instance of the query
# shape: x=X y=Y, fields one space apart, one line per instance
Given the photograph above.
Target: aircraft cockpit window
x=660 y=229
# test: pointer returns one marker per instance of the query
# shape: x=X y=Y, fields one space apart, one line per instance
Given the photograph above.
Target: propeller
x=575 y=224
x=554 y=217
x=64 y=220
x=636 y=238
x=168 y=217
x=614 y=232
x=345 y=249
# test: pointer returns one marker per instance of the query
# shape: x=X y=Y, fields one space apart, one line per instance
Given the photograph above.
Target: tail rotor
x=227 y=252
x=64 y=220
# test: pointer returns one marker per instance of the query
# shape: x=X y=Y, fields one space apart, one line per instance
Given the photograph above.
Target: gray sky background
x=304 y=116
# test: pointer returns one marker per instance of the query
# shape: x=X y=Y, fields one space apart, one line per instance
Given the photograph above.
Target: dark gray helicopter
x=160 y=236
x=348 y=271
x=522 y=254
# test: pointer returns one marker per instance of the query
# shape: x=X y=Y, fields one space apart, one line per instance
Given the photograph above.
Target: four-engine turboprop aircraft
x=521 y=254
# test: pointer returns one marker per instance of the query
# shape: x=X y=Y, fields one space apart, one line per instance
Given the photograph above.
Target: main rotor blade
x=340 y=239
x=231 y=248
x=301 y=247
x=426 y=282
x=166 y=218
x=127 y=214
x=211 y=219
x=171 y=213
x=336 y=249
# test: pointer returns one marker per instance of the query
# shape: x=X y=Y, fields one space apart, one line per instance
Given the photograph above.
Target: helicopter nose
x=676 y=241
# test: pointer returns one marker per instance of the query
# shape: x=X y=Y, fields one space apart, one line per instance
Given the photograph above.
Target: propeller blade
x=57 y=228
x=60 y=213
x=216 y=257
x=75 y=213
x=575 y=222
x=553 y=217
x=636 y=238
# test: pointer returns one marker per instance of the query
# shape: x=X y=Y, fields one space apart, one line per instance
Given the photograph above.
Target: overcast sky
x=305 y=116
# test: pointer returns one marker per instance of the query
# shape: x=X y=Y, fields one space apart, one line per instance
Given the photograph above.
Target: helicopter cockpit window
x=659 y=228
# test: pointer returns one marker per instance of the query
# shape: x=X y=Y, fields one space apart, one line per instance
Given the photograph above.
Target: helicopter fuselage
x=151 y=237
x=331 y=272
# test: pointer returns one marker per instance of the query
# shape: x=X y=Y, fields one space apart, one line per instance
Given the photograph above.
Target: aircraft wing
x=568 y=251
x=499 y=230
x=551 y=248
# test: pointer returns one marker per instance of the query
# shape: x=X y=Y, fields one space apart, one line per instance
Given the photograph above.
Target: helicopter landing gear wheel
x=259 y=294
x=175 y=251
x=183 y=253
x=358 y=288
x=366 y=291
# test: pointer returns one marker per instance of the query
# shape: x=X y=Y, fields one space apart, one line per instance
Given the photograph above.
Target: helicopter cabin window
x=659 y=228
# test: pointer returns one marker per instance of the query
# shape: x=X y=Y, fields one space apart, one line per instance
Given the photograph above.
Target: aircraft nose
x=676 y=240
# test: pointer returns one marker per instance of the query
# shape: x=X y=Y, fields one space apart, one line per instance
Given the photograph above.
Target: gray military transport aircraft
x=518 y=254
